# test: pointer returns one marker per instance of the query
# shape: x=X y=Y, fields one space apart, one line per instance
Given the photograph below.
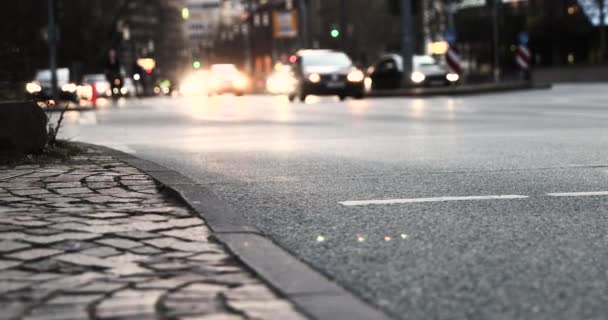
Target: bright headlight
x=69 y=87
x=417 y=77
x=241 y=82
x=33 y=87
x=314 y=78
x=452 y=77
x=355 y=76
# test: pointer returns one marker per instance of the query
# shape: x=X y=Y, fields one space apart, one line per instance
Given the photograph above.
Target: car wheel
x=291 y=97
x=342 y=97
x=239 y=94
x=303 y=97
x=359 y=96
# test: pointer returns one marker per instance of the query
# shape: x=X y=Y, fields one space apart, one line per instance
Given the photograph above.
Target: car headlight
x=452 y=77
x=417 y=77
x=314 y=78
x=241 y=82
x=355 y=76
x=69 y=87
x=33 y=87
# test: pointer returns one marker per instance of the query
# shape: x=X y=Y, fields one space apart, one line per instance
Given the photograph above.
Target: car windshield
x=424 y=61
x=94 y=78
x=63 y=75
x=333 y=59
x=224 y=68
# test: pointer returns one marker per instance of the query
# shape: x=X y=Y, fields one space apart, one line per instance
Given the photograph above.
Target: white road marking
x=421 y=200
x=579 y=194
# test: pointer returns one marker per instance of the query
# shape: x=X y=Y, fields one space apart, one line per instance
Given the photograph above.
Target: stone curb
x=310 y=291
x=459 y=91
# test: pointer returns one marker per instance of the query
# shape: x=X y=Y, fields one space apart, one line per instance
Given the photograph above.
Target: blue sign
x=450 y=36
x=523 y=38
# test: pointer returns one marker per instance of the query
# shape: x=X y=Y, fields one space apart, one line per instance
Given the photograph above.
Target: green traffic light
x=196 y=65
x=335 y=33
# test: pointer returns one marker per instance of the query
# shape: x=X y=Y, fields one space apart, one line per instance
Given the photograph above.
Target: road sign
x=523 y=38
x=450 y=36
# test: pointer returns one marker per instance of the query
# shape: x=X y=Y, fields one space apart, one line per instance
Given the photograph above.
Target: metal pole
x=52 y=36
x=451 y=8
x=495 y=39
x=407 y=43
x=343 y=23
x=602 y=53
x=304 y=32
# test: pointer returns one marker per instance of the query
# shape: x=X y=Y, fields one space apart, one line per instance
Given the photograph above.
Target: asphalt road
x=536 y=247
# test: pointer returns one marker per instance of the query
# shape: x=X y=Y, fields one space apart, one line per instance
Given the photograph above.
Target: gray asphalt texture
x=286 y=167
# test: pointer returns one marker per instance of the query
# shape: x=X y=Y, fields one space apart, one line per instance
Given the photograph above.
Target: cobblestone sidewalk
x=94 y=238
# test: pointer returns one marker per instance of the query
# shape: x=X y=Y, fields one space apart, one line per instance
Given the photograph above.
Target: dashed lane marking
x=422 y=200
x=579 y=194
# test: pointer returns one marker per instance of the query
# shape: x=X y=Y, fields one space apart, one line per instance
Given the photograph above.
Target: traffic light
x=196 y=64
x=335 y=33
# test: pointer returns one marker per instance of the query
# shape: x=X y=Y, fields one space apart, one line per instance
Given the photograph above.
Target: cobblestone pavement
x=94 y=238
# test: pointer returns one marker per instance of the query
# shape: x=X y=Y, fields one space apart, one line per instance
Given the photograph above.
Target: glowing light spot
x=387 y=238
x=404 y=236
x=360 y=239
x=320 y=238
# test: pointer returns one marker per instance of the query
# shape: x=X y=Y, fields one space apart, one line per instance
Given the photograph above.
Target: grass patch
x=60 y=151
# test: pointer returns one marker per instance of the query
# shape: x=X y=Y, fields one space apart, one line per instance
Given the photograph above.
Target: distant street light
x=196 y=64
x=185 y=13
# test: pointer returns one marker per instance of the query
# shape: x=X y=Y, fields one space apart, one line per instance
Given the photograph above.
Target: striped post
x=453 y=60
x=523 y=59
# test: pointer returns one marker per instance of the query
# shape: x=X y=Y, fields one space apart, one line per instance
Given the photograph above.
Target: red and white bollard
x=523 y=59
x=94 y=95
x=453 y=60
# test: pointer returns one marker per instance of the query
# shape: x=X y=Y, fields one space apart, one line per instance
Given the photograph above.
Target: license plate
x=335 y=84
x=436 y=83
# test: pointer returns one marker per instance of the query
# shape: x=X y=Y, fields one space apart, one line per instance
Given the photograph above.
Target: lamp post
x=602 y=6
x=495 y=39
x=343 y=23
x=407 y=42
x=52 y=39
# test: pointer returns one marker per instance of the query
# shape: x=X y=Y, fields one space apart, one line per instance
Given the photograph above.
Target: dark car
x=387 y=73
x=40 y=89
x=326 y=73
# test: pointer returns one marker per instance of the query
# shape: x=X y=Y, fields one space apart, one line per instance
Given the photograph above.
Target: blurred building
x=88 y=29
x=562 y=33
x=154 y=30
x=203 y=22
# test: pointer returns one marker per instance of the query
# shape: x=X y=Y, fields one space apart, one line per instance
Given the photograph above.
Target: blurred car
x=326 y=72
x=281 y=81
x=100 y=83
x=41 y=89
x=387 y=73
x=226 y=78
x=195 y=84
